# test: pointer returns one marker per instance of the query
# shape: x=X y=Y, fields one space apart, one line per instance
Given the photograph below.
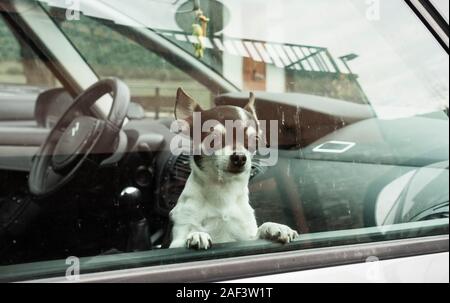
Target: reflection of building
x=275 y=67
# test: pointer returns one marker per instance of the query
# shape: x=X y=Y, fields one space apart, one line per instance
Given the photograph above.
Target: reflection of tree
x=112 y=54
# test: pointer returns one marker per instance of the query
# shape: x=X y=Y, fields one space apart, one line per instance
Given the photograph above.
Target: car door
x=322 y=181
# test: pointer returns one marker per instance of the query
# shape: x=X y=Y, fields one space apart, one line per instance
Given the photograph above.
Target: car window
x=350 y=116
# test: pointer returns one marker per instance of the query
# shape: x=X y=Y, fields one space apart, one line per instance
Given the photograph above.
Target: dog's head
x=225 y=137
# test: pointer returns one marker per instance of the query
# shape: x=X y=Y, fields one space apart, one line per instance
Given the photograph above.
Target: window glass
x=151 y=79
x=358 y=152
x=366 y=55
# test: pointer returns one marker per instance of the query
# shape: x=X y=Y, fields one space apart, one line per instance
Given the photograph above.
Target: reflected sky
x=401 y=66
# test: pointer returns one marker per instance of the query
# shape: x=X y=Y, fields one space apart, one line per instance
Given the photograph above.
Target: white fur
x=214 y=208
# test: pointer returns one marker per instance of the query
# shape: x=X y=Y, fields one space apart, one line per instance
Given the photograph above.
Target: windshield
x=357 y=52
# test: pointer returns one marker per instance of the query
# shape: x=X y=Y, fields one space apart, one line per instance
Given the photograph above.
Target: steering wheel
x=76 y=135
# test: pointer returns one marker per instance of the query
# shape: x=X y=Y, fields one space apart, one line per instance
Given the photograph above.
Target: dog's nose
x=238 y=159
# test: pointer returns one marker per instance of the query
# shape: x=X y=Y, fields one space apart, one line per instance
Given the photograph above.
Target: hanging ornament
x=199 y=30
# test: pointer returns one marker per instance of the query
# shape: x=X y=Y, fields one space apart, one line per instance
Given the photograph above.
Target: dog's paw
x=199 y=240
x=276 y=232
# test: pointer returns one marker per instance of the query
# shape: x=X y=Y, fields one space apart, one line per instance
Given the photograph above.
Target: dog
x=214 y=205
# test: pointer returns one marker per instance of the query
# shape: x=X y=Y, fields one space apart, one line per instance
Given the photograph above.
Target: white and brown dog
x=214 y=205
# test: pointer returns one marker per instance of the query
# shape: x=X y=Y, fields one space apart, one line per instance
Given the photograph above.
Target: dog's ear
x=250 y=107
x=185 y=105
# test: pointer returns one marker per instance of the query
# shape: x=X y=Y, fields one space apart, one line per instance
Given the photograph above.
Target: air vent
x=181 y=169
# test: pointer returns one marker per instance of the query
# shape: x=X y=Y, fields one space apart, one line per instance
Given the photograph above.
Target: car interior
x=110 y=191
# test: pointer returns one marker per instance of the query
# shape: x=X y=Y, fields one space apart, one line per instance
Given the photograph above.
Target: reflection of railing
x=155 y=100
x=282 y=55
x=308 y=69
